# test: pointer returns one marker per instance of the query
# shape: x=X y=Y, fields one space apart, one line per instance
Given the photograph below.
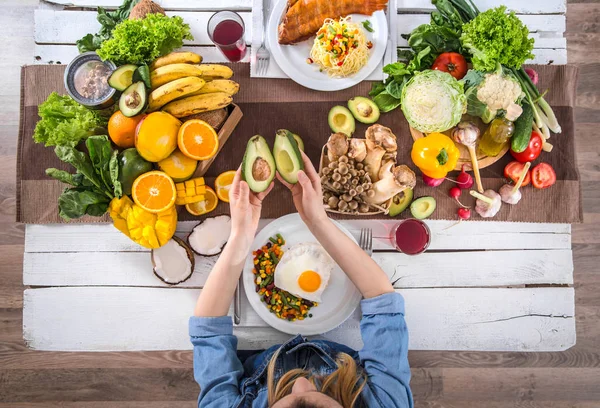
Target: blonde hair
x=343 y=385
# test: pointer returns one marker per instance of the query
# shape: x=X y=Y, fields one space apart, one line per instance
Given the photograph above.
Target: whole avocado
x=132 y=165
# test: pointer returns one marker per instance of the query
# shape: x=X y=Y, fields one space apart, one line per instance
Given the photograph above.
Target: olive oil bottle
x=497 y=135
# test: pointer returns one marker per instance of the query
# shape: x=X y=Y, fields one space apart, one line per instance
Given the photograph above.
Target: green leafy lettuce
x=95 y=182
x=108 y=21
x=64 y=122
x=142 y=41
x=497 y=37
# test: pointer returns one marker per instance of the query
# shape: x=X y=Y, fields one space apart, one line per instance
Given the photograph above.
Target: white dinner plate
x=292 y=58
x=339 y=299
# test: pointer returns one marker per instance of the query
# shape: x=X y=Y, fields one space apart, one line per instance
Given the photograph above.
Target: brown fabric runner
x=271 y=104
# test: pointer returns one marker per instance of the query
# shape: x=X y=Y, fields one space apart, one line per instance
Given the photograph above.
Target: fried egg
x=304 y=270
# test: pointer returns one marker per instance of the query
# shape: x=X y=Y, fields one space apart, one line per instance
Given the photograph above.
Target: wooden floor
x=440 y=379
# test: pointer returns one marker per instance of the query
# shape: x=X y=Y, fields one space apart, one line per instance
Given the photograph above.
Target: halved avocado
x=400 y=202
x=364 y=109
x=134 y=99
x=299 y=141
x=122 y=77
x=341 y=120
x=422 y=207
x=258 y=165
x=287 y=156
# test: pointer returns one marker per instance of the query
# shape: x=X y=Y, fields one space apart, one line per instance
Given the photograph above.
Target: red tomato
x=543 y=175
x=513 y=171
x=532 y=151
x=452 y=63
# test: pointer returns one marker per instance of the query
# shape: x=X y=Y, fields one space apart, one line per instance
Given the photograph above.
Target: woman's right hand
x=307 y=194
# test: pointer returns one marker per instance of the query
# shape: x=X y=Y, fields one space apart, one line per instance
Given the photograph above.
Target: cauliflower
x=491 y=92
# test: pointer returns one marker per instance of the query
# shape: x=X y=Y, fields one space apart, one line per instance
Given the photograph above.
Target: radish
x=455 y=193
x=432 y=182
x=464 y=213
x=532 y=74
x=464 y=179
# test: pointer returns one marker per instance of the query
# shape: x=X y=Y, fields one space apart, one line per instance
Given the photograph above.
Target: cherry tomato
x=533 y=150
x=452 y=63
x=513 y=171
x=543 y=175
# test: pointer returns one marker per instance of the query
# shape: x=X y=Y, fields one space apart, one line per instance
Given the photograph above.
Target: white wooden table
x=481 y=286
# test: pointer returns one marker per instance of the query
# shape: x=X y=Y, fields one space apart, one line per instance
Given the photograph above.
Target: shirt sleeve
x=217 y=368
x=385 y=351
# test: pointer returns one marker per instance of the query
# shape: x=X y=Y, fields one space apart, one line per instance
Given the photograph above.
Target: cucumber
x=523 y=127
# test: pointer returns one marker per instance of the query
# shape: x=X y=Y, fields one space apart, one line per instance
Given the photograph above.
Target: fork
x=366 y=240
x=262 y=55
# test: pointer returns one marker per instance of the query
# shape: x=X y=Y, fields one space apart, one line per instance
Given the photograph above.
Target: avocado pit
x=261 y=169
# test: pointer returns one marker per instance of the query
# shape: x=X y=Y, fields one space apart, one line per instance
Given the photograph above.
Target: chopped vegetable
x=514 y=170
x=367 y=25
x=64 y=122
x=532 y=151
x=543 y=176
x=435 y=155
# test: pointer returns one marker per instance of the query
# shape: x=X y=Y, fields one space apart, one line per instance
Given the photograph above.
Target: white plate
x=340 y=298
x=292 y=58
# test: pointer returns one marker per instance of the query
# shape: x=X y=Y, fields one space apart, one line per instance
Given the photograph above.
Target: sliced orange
x=207 y=205
x=154 y=191
x=223 y=185
x=198 y=140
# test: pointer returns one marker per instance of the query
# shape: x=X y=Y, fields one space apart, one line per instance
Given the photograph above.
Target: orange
x=154 y=191
x=207 y=205
x=121 y=129
x=223 y=184
x=198 y=140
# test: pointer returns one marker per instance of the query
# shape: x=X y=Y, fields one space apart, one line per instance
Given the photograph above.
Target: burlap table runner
x=271 y=104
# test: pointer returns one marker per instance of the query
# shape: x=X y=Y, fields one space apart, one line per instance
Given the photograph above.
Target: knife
x=237 y=304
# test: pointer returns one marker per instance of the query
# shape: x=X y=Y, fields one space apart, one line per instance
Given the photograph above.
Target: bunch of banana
x=182 y=86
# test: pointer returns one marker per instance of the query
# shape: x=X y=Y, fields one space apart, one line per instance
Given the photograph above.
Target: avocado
x=341 y=120
x=131 y=165
x=258 y=165
x=122 y=77
x=142 y=73
x=134 y=99
x=422 y=207
x=364 y=109
x=299 y=141
x=400 y=202
x=287 y=156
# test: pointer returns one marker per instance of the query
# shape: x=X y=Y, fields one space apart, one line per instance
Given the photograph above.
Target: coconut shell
x=190 y=255
x=192 y=231
x=215 y=118
x=144 y=7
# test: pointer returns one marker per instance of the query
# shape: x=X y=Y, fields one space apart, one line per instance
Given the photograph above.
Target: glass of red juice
x=411 y=236
x=226 y=30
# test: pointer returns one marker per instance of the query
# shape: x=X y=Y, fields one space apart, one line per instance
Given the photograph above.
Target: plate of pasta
x=323 y=51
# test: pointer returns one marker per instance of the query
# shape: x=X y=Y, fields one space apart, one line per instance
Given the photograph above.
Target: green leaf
x=394 y=88
x=83 y=165
x=396 y=69
x=100 y=154
x=113 y=167
x=77 y=202
x=64 y=176
x=376 y=89
x=386 y=102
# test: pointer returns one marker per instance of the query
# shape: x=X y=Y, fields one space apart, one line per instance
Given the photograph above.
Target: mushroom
x=373 y=161
x=337 y=146
x=488 y=204
x=358 y=149
x=467 y=134
x=393 y=182
x=381 y=136
x=511 y=194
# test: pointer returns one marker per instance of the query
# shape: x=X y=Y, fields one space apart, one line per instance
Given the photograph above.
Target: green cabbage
x=496 y=37
x=65 y=122
x=141 y=41
x=433 y=101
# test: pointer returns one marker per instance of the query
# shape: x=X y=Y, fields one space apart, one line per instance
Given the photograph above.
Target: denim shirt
x=226 y=382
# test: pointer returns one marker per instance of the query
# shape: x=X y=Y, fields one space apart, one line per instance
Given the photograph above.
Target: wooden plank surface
x=127 y=318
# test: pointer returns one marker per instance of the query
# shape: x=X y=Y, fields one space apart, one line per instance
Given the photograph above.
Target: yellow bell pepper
x=435 y=155
x=145 y=228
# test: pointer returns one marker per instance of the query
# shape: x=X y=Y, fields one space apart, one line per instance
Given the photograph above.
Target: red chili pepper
x=339 y=64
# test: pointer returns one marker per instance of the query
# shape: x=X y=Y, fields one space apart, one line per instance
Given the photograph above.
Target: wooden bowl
x=465 y=158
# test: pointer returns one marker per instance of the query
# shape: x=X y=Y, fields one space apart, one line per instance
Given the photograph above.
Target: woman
x=300 y=373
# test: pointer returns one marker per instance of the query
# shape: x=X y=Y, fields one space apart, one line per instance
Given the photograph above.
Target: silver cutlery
x=262 y=55
x=365 y=240
x=237 y=303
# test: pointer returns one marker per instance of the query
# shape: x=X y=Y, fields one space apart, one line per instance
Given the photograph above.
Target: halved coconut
x=210 y=236
x=173 y=262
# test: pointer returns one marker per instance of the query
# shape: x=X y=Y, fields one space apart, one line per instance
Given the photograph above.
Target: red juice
x=411 y=236
x=228 y=35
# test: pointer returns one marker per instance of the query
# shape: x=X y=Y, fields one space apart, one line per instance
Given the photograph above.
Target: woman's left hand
x=245 y=207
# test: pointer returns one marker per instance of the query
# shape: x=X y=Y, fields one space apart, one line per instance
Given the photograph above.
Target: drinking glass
x=226 y=30
x=411 y=236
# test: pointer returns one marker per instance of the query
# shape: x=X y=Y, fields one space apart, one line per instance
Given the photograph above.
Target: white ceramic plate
x=340 y=298
x=292 y=58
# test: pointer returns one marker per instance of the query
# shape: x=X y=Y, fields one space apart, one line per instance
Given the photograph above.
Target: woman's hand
x=307 y=194
x=245 y=207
